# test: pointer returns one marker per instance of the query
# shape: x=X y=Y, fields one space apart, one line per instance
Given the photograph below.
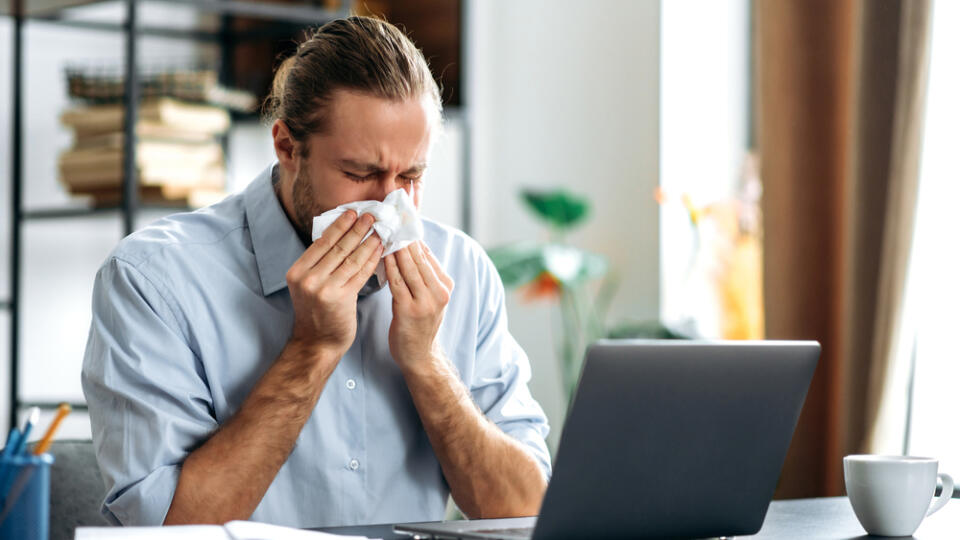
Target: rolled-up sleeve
x=502 y=373
x=146 y=391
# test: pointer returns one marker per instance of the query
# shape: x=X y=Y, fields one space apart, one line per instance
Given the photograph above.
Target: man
x=237 y=370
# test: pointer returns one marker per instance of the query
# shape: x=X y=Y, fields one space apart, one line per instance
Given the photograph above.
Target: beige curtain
x=884 y=426
x=839 y=88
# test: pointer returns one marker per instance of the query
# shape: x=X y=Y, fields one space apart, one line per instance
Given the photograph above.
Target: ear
x=286 y=147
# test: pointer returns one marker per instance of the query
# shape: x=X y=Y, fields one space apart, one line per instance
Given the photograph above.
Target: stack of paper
x=234 y=530
x=178 y=156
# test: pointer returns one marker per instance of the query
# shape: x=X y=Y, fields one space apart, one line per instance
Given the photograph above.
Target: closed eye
x=359 y=178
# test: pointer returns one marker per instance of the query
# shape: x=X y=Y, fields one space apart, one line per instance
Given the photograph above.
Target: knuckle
x=350 y=265
x=310 y=283
x=293 y=276
x=337 y=250
x=325 y=292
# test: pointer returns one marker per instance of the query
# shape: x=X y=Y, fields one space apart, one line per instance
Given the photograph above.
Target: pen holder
x=25 y=499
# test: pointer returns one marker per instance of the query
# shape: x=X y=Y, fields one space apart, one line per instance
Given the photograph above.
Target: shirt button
x=351 y=384
x=354 y=464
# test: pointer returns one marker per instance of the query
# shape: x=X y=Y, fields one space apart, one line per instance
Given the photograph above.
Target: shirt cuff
x=145 y=503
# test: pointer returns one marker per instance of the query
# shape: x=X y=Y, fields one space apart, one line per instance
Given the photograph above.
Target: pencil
x=62 y=411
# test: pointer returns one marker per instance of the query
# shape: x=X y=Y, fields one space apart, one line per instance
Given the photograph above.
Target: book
x=145 y=132
x=78 y=180
x=158 y=195
x=170 y=113
x=94 y=83
x=148 y=151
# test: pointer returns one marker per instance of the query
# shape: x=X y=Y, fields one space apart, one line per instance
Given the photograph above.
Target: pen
x=32 y=420
x=12 y=440
x=62 y=411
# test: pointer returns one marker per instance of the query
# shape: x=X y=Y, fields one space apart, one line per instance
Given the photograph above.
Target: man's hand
x=421 y=290
x=325 y=280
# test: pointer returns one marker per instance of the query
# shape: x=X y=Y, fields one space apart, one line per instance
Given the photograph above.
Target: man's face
x=371 y=147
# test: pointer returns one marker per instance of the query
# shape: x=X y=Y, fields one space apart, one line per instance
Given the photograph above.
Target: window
x=933 y=289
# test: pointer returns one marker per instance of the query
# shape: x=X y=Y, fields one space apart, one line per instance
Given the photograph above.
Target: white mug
x=892 y=494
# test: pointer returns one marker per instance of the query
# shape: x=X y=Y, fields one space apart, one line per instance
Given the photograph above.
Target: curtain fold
x=887 y=385
x=839 y=91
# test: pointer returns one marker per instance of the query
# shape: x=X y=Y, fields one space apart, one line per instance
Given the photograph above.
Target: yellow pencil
x=62 y=411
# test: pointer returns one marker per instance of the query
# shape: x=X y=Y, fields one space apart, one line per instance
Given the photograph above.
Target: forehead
x=372 y=129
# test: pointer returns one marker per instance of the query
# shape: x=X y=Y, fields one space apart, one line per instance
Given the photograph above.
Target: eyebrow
x=376 y=168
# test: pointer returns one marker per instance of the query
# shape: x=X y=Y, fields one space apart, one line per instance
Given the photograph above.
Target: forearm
x=226 y=477
x=490 y=473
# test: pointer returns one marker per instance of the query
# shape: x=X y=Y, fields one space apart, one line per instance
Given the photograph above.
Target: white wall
x=566 y=93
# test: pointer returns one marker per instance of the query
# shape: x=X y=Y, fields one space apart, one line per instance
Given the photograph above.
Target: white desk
x=801 y=519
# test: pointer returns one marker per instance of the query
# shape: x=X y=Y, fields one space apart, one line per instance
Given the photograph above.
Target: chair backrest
x=76 y=488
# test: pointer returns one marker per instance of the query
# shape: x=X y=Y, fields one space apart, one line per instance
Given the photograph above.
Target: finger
x=398 y=287
x=345 y=246
x=447 y=280
x=360 y=278
x=411 y=274
x=355 y=261
x=316 y=250
x=430 y=277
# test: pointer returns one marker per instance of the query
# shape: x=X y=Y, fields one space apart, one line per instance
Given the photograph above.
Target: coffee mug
x=892 y=494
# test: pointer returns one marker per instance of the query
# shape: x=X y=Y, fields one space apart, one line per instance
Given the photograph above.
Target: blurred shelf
x=74 y=212
x=144 y=30
x=52 y=405
x=60 y=10
x=4 y=305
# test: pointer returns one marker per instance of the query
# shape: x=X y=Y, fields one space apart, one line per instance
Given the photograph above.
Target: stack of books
x=179 y=158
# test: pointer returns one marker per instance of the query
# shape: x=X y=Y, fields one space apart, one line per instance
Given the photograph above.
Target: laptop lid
x=676 y=438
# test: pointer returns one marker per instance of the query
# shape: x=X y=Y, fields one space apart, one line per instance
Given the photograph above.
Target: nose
x=386 y=185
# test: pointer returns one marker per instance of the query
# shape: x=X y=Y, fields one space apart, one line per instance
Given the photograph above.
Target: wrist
x=427 y=365
x=313 y=358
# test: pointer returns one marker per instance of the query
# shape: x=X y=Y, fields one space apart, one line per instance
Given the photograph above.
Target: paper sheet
x=174 y=532
x=234 y=530
x=252 y=530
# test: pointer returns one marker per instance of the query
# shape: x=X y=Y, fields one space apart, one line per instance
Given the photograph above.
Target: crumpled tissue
x=397 y=223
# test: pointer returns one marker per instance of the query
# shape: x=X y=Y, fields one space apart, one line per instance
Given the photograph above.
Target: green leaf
x=518 y=264
x=557 y=207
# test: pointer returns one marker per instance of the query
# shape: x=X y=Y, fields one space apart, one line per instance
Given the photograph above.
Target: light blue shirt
x=188 y=314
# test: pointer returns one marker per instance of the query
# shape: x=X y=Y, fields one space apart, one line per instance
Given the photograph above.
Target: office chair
x=76 y=488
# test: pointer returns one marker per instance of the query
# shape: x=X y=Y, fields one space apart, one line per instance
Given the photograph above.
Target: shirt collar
x=276 y=245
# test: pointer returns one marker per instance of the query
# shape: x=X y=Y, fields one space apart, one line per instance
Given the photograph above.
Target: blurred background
x=783 y=169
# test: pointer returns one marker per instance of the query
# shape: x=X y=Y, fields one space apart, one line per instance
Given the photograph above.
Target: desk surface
x=801 y=519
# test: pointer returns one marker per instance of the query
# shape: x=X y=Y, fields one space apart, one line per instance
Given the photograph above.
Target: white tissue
x=397 y=223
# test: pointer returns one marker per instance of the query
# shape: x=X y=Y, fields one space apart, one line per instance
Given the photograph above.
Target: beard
x=305 y=205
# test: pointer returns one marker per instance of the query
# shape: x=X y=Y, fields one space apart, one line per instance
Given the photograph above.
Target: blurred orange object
x=545 y=286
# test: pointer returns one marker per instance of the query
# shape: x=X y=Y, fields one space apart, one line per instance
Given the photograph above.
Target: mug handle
x=945 y=494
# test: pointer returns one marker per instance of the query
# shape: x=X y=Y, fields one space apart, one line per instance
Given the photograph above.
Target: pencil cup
x=25 y=501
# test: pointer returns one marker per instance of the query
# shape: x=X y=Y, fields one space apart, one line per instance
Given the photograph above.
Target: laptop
x=665 y=439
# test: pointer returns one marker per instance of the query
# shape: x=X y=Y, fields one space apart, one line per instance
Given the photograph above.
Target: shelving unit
x=22 y=13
